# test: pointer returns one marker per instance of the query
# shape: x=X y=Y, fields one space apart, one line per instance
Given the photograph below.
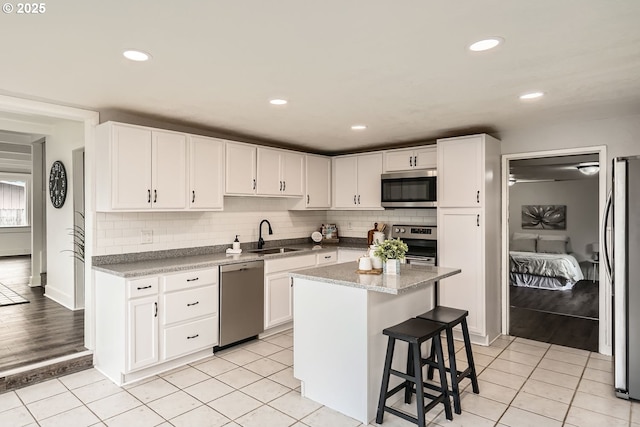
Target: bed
x=544 y=270
x=541 y=261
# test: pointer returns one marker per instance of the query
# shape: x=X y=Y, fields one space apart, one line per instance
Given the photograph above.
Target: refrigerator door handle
x=619 y=279
x=605 y=240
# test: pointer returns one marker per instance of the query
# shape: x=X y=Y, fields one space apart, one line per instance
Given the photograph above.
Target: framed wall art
x=547 y=217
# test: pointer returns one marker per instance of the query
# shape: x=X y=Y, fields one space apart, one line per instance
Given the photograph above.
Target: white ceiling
x=400 y=67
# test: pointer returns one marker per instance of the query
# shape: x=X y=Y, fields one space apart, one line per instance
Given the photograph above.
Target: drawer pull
x=193 y=303
x=156 y=309
x=144 y=287
x=193 y=336
x=193 y=280
x=327 y=256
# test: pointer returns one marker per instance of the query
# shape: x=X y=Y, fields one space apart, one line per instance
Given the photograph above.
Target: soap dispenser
x=236 y=243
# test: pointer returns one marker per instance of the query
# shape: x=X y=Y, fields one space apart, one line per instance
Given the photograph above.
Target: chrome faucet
x=260 y=239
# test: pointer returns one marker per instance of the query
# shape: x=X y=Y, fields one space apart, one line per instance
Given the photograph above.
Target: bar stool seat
x=450 y=318
x=414 y=332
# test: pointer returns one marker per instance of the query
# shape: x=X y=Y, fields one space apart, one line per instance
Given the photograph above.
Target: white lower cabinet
x=151 y=324
x=349 y=255
x=278 y=286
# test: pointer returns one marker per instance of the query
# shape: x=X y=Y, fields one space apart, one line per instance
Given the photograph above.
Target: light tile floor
x=522 y=383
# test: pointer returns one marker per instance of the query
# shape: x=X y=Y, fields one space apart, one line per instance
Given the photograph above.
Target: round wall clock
x=57 y=184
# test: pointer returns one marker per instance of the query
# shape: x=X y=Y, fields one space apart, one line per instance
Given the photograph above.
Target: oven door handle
x=420 y=260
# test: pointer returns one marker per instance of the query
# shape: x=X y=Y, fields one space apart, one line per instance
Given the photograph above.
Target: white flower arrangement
x=391 y=249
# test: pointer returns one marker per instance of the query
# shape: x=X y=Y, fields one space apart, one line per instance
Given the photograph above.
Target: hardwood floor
x=568 y=318
x=37 y=331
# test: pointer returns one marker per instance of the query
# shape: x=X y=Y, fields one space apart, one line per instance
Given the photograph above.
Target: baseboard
x=57 y=296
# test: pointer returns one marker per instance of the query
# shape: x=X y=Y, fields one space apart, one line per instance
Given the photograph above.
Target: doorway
x=569 y=308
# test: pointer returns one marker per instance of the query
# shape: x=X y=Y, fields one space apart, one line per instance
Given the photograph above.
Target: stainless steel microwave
x=411 y=189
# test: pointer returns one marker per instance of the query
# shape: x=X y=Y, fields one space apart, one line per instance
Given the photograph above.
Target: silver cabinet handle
x=307 y=199
x=327 y=256
x=415 y=160
x=254 y=183
x=280 y=185
x=478 y=220
x=155 y=196
x=354 y=199
x=358 y=199
x=193 y=303
x=193 y=196
x=156 y=310
x=148 y=196
x=144 y=287
x=193 y=336
x=284 y=185
x=410 y=161
x=193 y=280
x=478 y=196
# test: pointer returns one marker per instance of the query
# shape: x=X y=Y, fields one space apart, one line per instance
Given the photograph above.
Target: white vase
x=392 y=266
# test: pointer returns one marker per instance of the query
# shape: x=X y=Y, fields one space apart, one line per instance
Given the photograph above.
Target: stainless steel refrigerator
x=622 y=261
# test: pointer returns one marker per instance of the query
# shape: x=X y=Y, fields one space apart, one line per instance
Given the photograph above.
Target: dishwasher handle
x=241 y=266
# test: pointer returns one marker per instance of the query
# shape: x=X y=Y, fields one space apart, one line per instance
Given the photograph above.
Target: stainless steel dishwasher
x=241 y=301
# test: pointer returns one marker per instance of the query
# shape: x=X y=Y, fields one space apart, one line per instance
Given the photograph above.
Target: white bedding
x=543 y=270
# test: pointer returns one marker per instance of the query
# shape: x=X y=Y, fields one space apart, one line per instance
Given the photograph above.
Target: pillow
x=517 y=236
x=552 y=246
x=523 y=245
x=562 y=237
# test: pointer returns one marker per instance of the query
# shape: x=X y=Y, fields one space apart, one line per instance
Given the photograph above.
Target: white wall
x=581 y=200
x=15 y=241
x=119 y=233
x=64 y=138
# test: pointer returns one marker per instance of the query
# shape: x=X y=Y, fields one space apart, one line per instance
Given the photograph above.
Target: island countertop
x=411 y=277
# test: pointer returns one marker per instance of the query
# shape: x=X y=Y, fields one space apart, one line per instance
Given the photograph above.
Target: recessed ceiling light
x=486 y=44
x=278 y=101
x=531 y=95
x=136 y=55
x=358 y=127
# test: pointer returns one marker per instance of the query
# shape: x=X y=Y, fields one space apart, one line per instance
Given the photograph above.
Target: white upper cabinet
x=318 y=182
x=356 y=181
x=140 y=168
x=461 y=172
x=411 y=159
x=206 y=173
x=240 y=169
x=279 y=172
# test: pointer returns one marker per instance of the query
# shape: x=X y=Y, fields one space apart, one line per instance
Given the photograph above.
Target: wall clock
x=57 y=184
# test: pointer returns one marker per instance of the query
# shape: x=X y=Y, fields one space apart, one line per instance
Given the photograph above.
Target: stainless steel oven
x=422 y=241
x=414 y=189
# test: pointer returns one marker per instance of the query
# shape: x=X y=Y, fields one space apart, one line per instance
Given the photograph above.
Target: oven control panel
x=424 y=232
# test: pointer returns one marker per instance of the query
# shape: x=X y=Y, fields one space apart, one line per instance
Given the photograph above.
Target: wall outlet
x=146 y=236
x=349 y=226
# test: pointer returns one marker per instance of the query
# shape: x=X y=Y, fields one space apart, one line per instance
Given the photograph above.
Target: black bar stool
x=449 y=318
x=414 y=332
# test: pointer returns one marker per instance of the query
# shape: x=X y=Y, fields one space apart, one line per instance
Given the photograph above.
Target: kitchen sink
x=270 y=251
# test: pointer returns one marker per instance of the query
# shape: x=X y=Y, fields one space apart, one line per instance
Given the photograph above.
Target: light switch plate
x=146 y=236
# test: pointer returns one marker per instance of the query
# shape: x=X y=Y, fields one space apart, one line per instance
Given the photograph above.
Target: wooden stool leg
x=443 y=377
x=431 y=357
x=385 y=380
x=472 y=366
x=454 y=372
x=417 y=369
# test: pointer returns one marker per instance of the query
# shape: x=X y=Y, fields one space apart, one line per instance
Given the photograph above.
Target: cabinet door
x=345 y=179
x=460 y=246
x=278 y=299
x=142 y=332
x=240 y=168
x=131 y=168
x=369 y=170
x=292 y=173
x=318 y=182
x=398 y=160
x=350 y=255
x=169 y=170
x=460 y=172
x=268 y=175
x=206 y=173
x=425 y=158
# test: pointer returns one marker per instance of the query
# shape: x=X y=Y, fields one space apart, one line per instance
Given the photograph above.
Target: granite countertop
x=192 y=262
x=410 y=277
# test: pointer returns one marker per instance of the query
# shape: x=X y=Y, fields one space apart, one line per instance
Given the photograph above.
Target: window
x=14 y=200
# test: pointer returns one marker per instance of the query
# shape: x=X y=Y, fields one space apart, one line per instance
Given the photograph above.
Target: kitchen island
x=339 y=316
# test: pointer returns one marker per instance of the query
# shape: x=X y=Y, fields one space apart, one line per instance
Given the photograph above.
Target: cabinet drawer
x=142 y=287
x=289 y=263
x=189 y=279
x=328 y=257
x=190 y=304
x=190 y=337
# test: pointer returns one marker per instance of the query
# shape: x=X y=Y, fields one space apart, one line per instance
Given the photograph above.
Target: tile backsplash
x=122 y=232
